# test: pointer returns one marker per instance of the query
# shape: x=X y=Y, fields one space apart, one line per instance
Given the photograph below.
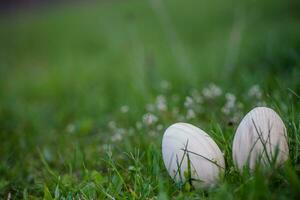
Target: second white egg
x=261 y=138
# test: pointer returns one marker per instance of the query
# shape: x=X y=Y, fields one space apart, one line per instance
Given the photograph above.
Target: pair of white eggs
x=190 y=154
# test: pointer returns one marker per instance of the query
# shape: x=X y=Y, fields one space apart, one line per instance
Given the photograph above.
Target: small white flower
x=131 y=168
x=116 y=137
x=149 y=119
x=124 y=109
x=230 y=99
x=197 y=96
x=161 y=103
x=159 y=127
x=236 y=117
x=189 y=102
x=226 y=110
x=71 y=128
x=212 y=91
x=230 y=103
x=255 y=92
x=120 y=131
x=112 y=125
x=190 y=114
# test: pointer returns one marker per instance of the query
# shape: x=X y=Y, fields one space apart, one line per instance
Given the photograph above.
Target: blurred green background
x=77 y=63
x=112 y=52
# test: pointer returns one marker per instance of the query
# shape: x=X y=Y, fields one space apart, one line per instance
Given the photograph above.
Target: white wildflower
x=255 y=92
x=230 y=99
x=159 y=127
x=124 y=109
x=112 y=125
x=149 y=119
x=71 y=128
x=189 y=102
x=131 y=168
x=236 y=117
x=212 y=91
x=190 y=114
x=116 y=137
x=226 y=110
x=161 y=103
x=197 y=96
x=230 y=103
x=119 y=132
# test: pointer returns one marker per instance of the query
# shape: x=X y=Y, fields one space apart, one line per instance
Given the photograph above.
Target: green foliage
x=87 y=91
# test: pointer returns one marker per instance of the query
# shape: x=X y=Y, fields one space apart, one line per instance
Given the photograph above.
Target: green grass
x=66 y=71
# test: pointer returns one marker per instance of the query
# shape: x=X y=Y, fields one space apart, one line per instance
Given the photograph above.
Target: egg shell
x=260 y=138
x=182 y=142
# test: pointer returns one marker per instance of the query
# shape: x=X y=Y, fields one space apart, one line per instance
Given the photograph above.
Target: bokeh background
x=67 y=67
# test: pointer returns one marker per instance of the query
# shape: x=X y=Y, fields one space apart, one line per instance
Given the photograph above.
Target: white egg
x=261 y=138
x=185 y=149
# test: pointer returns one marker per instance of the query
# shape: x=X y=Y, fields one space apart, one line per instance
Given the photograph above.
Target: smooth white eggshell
x=260 y=136
x=207 y=161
